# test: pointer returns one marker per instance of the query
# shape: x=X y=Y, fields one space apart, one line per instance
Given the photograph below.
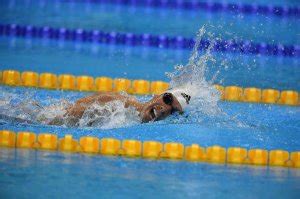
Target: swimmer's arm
x=82 y=104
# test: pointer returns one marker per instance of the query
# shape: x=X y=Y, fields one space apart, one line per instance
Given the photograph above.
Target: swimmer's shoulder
x=106 y=97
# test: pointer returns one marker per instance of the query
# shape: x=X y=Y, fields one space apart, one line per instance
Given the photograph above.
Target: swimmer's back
x=80 y=105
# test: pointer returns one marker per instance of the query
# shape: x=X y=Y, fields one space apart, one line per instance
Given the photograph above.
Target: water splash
x=22 y=109
x=16 y=108
x=192 y=76
x=203 y=107
x=110 y=115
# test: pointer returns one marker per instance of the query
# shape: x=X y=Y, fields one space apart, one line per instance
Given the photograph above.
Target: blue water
x=144 y=63
x=42 y=174
x=239 y=124
x=257 y=28
x=266 y=2
x=57 y=175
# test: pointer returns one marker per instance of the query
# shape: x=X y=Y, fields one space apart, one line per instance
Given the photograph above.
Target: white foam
x=46 y=114
x=110 y=115
x=192 y=77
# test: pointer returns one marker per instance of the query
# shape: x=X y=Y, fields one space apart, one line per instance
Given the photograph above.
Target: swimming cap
x=182 y=95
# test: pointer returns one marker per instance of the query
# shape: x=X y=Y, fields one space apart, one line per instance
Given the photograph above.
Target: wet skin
x=157 y=109
x=153 y=110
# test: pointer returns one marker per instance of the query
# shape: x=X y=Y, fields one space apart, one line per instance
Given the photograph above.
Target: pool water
x=26 y=174
x=108 y=17
x=144 y=63
x=239 y=124
x=42 y=174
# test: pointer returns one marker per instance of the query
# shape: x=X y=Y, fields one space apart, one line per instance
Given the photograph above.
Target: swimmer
x=158 y=108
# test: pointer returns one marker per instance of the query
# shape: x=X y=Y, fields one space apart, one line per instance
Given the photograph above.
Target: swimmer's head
x=183 y=95
x=164 y=105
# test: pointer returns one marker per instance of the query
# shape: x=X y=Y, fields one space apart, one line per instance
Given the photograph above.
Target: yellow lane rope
x=139 y=87
x=150 y=149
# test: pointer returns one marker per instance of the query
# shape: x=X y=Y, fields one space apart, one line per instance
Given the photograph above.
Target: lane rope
x=208 y=6
x=140 y=87
x=151 y=40
x=150 y=149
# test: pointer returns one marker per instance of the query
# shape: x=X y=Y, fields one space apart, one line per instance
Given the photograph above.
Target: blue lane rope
x=160 y=41
x=280 y=11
